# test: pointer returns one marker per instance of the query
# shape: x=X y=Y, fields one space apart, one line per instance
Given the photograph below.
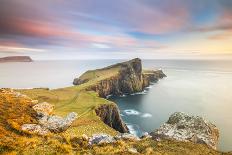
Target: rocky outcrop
x=124 y=78
x=56 y=123
x=47 y=122
x=110 y=115
x=105 y=138
x=34 y=129
x=152 y=76
x=127 y=136
x=183 y=127
x=101 y=138
x=16 y=59
x=43 y=108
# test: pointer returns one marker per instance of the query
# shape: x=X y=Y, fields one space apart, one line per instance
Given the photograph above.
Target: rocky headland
x=16 y=59
x=122 y=78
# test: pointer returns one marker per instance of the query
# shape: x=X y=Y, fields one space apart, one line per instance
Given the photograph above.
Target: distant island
x=16 y=59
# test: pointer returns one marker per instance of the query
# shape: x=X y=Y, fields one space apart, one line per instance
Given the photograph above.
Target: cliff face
x=16 y=59
x=110 y=115
x=125 y=78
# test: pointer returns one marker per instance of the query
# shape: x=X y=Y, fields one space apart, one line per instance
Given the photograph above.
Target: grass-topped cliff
x=122 y=78
x=95 y=115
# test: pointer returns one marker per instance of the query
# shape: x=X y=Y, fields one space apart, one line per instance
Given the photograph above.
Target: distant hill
x=16 y=59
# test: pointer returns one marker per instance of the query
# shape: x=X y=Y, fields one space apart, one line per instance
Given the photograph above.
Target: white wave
x=122 y=115
x=109 y=96
x=132 y=129
x=140 y=93
x=123 y=95
x=149 y=87
x=146 y=115
x=131 y=112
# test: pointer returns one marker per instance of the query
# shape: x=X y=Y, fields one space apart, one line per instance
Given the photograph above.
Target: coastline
x=63 y=95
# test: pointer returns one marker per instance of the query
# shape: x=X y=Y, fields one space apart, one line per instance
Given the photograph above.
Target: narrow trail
x=69 y=102
x=75 y=99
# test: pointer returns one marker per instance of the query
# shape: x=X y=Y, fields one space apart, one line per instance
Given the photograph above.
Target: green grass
x=72 y=99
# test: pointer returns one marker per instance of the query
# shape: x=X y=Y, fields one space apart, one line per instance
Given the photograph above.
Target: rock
x=127 y=136
x=146 y=135
x=43 y=108
x=34 y=129
x=85 y=137
x=35 y=101
x=133 y=150
x=50 y=123
x=183 y=127
x=152 y=76
x=101 y=138
x=110 y=115
x=57 y=123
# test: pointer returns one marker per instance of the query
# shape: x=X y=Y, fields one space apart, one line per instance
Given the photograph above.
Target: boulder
x=146 y=135
x=101 y=138
x=127 y=136
x=43 y=108
x=57 y=123
x=133 y=150
x=183 y=127
x=34 y=129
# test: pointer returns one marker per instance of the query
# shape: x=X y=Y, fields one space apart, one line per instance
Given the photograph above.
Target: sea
x=196 y=87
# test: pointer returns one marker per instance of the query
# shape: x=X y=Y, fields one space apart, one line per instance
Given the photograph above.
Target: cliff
x=122 y=78
x=16 y=59
x=110 y=115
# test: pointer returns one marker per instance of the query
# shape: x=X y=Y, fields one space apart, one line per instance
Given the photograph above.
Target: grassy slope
x=73 y=100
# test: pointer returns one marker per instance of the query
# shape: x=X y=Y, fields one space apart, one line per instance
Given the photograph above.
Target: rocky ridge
x=183 y=127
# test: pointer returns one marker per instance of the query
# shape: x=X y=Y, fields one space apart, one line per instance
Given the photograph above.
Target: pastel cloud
x=124 y=25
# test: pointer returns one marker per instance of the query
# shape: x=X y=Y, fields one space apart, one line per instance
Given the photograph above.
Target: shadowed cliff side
x=110 y=115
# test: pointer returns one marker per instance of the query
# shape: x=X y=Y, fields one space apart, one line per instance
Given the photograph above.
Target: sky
x=116 y=29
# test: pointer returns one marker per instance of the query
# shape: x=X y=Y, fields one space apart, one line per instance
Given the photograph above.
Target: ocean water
x=196 y=87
